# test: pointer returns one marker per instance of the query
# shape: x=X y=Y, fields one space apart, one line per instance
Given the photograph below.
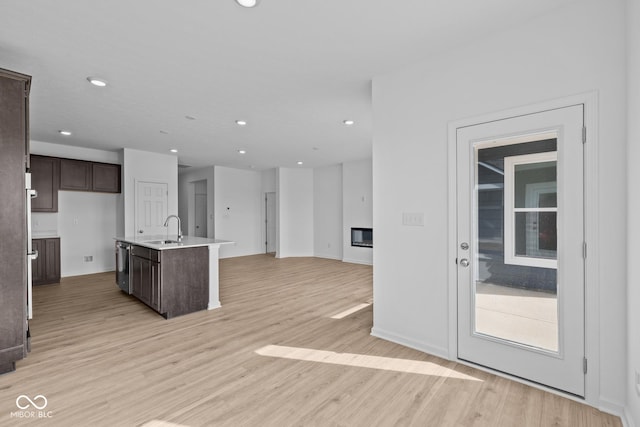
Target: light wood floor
x=103 y=359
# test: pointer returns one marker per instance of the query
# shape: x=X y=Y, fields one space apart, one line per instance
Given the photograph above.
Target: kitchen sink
x=162 y=242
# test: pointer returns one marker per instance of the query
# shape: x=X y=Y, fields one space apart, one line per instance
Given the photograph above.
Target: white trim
x=324 y=256
x=357 y=261
x=510 y=256
x=591 y=197
x=409 y=342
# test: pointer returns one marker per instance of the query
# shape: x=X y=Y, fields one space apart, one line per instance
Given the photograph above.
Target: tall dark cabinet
x=14 y=146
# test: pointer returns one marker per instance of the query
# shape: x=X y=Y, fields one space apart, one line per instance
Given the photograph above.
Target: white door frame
x=592 y=285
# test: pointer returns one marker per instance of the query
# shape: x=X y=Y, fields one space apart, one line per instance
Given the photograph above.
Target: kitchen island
x=170 y=276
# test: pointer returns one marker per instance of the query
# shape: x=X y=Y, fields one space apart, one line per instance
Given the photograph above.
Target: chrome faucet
x=166 y=224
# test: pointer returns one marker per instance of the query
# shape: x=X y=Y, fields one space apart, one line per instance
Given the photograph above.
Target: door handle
x=464 y=262
x=140 y=231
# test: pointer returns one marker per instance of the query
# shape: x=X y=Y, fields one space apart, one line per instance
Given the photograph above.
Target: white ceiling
x=293 y=69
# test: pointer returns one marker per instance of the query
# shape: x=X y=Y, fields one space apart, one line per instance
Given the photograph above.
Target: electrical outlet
x=88 y=258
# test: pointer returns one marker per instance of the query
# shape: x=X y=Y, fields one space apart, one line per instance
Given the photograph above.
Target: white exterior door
x=151 y=208
x=520 y=248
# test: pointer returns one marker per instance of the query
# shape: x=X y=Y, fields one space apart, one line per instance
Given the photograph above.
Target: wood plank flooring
x=101 y=358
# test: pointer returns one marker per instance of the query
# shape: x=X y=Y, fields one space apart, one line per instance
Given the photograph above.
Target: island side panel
x=185 y=281
x=214 y=283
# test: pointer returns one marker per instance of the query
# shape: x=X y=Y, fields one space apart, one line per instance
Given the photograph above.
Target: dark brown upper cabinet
x=106 y=177
x=75 y=175
x=45 y=179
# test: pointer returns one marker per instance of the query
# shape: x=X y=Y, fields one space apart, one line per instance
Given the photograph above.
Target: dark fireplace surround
x=362 y=237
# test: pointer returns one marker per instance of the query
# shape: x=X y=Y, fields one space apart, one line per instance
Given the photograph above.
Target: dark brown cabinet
x=145 y=276
x=75 y=175
x=50 y=174
x=172 y=282
x=106 y=177
x=45 y=179
x=46 y=268
x=14 y=100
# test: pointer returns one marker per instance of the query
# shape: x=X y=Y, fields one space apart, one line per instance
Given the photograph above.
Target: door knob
x=140 y=231
x=464 y=262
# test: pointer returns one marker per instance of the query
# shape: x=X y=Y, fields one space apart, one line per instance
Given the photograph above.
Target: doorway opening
x=270 y=222
x=200 y=228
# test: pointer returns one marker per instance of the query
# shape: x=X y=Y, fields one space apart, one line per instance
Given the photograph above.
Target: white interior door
x=270 y=222
x=151 y=208
x=201 y=215
x=520 y=247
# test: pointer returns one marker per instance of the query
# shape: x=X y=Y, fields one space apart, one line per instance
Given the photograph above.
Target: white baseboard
x=214 y=305
x=327 y=256
x=357 y=261
x=411 y=343
x=627 y=419
x=617 y=410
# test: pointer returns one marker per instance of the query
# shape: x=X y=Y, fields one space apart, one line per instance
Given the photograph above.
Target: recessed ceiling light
x=173 y=150
x=300 y=162
x=97 y=81
x=64 y=132
x=247 y=3
x=241 y=122
x=348 y=122
x=242 y=151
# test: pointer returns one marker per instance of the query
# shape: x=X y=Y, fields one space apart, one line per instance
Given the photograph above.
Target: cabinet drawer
x=146 y=253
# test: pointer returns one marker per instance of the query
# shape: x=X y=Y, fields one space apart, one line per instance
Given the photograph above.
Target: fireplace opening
x=362 y=237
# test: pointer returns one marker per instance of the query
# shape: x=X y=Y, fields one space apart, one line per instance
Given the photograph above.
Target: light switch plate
x=413 y=219
x=638 y=383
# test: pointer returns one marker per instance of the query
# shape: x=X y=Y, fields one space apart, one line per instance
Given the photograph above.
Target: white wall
x=294 y=212
x=578 y=48
x=357 y=196
x=327 y=212
x=152 y=167
x=87 y=226
x=633 y=250
x=73 y=152
x=85 y=222
x=186 y=200
x=238 y=206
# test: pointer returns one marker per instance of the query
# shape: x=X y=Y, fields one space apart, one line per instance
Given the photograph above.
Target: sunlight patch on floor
x=362 y=361
x=351 y=310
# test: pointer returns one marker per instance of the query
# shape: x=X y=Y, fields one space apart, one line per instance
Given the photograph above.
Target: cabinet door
x=52 y=261
x=136 y=275
x=38 y=264
x=106 y=177
x=75 y=175
x=45 y=178
x=142 y=279
x=155 y=286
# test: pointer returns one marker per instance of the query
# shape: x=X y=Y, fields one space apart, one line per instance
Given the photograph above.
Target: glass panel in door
x=516 y=279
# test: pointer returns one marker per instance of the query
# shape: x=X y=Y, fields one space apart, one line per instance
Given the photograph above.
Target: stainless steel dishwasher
x=123 y=258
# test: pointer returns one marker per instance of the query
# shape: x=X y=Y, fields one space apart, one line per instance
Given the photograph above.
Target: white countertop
x=187 y=241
